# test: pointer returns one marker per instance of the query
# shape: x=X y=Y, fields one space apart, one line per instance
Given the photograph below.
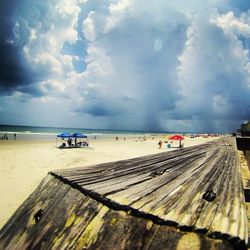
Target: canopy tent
x=69 y=143
x=64 y=135
x=78 y=135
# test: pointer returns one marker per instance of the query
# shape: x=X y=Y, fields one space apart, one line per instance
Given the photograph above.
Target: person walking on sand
x=160 y=144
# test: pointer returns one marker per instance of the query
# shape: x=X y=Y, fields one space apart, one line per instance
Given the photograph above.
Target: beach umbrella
x=64 y=135
x=176 y=137
x=78 y=135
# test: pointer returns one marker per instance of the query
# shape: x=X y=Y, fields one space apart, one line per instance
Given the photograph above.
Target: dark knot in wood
x=38 y=215
x=209 y=196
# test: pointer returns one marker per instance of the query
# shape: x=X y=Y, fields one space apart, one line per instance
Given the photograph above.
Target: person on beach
x=14 y=136
x=181 y=145
x=69 y=141
x=160 y=144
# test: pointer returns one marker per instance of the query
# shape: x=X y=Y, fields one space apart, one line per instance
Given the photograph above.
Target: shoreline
x=27 y=162
x=26 y=136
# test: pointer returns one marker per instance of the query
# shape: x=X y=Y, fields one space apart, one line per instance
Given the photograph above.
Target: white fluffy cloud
x=231 y=24
x=213 y=75
x=47 y=34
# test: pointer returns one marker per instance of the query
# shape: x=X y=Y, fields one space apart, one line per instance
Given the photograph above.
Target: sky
x=180 y=65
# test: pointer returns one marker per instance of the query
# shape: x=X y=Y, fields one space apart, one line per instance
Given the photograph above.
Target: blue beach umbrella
x=64 y=135
x=78 y=135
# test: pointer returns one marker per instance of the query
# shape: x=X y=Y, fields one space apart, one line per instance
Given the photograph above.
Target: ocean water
x=34 y=132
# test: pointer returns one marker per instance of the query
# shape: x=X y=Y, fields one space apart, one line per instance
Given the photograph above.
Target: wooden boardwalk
x=196 y=189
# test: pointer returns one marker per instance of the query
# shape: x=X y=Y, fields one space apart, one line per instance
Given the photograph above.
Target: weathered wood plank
x=209 y=209
x=153 y=170
x=75 y=221
x=170 y=186
x=23 y=220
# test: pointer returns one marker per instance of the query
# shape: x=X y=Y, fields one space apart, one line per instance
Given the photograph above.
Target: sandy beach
x=24 y=163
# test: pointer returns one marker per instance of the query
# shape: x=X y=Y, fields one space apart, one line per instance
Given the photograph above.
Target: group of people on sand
x=169 y=144
x=76 y=144
x=117 y=138
x=6 y=137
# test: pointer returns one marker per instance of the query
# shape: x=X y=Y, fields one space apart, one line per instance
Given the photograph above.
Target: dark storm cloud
x=144 y=50
x=13 y=70
x=18 y=19
x=97 y=110
x=99 y=107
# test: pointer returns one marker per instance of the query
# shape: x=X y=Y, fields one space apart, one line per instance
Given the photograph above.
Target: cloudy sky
x=180 y=65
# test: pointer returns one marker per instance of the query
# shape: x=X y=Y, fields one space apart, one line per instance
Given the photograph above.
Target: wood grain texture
x=169 y=186
x=142 y=203
x=72 y=220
